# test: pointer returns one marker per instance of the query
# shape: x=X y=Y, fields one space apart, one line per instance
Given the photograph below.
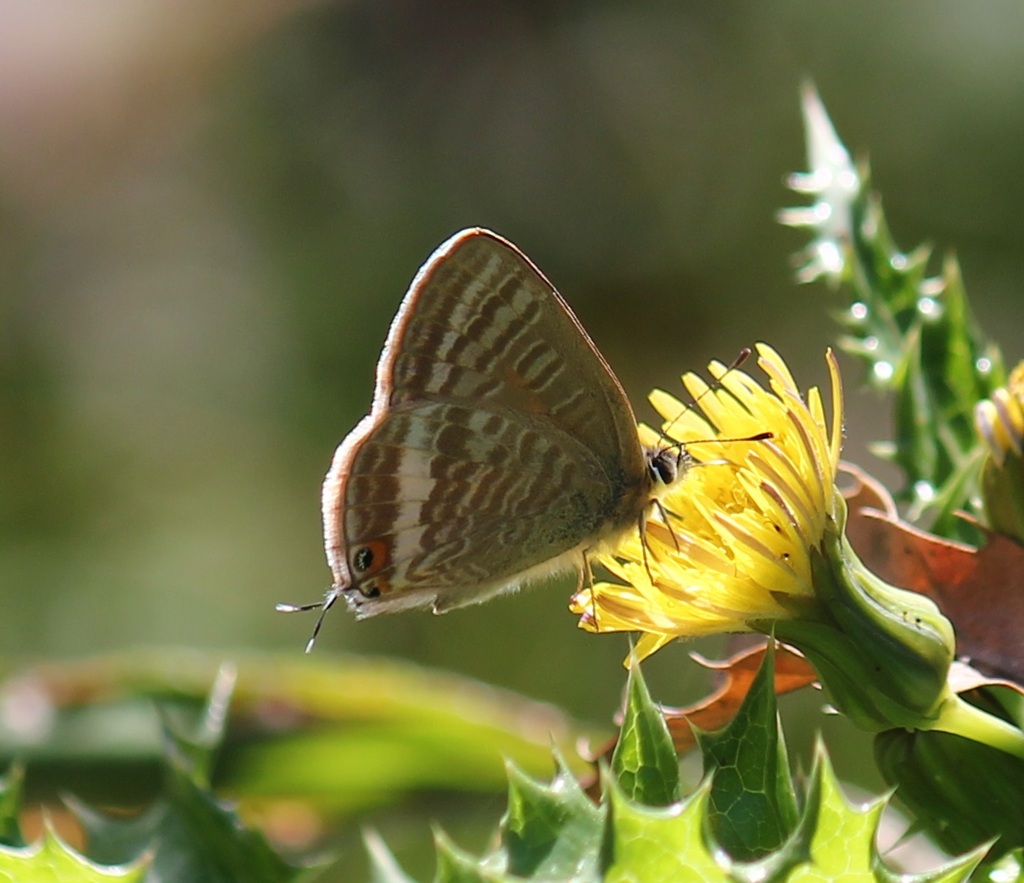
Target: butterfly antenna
x=758 y=436
x=323 y=606
x=682 y=447
x=741 y=357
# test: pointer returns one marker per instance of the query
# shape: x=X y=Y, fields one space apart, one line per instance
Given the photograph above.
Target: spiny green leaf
x=193 y=751
x=916 y=334
x=194 y=838
x=663 y=843
x=637 y=843
x=645 y=761
x=549 y=831
x=384 y=867
x=841 y=838
x=753 y=804
x=52 y=861
x=456 y=866
x=936 y=443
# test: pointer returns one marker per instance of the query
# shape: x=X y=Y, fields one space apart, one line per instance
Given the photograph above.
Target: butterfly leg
x=664 y=517
x=586 y=578
x=642 y=528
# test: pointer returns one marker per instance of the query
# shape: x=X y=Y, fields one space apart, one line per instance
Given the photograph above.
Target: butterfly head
x=666 y=464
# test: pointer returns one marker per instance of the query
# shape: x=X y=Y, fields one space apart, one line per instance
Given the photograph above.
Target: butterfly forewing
x=499 y=440
x=481 y=323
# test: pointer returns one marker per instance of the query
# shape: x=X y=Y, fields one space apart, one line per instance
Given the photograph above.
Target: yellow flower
x=1000 y=424
x=752 y=539
x=734 y=548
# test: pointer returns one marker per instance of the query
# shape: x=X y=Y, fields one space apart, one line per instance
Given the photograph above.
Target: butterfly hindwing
x=453 y=499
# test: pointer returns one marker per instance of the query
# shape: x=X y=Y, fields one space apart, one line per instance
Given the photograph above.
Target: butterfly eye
x=664 y=466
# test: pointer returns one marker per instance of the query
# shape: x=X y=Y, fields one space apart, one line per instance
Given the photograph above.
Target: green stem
x=961 y=718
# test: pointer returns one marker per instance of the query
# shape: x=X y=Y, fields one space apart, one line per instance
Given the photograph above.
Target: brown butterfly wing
x=499 y=440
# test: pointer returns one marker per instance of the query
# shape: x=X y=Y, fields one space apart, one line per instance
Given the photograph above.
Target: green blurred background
x=209 y=213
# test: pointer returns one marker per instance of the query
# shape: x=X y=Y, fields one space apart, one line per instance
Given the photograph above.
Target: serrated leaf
x=753 y=803
x=549 y=831
x=457 y=866
x=50 y=860
x=384 y=867
x=637 y=843
x=663 y=843
x=916 y=334
x=733 y=677
x=937 y=387
x=194 y=837
x=193 y=750
x=645 y=761
x=214 y=842
x=840 y=838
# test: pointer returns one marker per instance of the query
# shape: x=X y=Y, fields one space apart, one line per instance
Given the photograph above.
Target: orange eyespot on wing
x=366 y=559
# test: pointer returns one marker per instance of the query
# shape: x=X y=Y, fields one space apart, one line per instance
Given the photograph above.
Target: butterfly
x=500 y=447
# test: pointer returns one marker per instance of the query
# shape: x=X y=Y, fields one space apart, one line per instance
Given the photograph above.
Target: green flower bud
x=882 y=653
x=961 y=791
